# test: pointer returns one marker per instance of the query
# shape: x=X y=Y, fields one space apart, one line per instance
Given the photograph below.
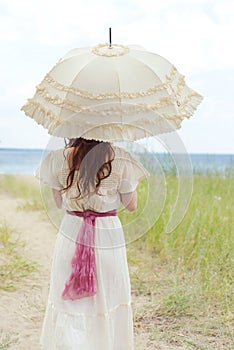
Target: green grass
x=203 y=243
x=188 y=274
x=14 y=268
x=6 y=340
x=25 y=188
x=184 y=278
x=199 y=251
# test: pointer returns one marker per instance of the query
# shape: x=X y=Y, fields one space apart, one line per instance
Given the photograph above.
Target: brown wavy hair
x=93 y=160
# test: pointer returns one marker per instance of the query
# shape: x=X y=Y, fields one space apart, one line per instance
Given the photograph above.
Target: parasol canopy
x=112 y=92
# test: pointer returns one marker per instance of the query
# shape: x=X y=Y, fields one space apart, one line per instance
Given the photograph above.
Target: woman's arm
x=57 y=197
x=129 y=200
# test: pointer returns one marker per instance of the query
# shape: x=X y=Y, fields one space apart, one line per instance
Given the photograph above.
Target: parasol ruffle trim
x=114 y=95
x=185 y=108
x=76 y=107
x=106 y=132
x=49 y=120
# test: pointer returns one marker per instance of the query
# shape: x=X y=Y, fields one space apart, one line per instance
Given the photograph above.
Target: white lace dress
x=103 y=321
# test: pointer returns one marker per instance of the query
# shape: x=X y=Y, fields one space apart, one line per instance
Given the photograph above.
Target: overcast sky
x=195 y=35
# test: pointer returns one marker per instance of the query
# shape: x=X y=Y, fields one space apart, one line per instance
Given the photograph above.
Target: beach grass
x=24 y=187
x=189 y=273
x=203 y=243
x=7 y=340
x=182 y=282
x=14 y=266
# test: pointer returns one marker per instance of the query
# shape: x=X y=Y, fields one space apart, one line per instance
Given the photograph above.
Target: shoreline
x=15 y=161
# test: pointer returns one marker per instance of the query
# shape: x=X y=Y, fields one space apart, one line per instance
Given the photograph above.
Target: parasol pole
x=110 y=43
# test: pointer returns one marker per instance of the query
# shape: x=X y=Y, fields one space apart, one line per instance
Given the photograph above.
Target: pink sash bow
x=82 y=280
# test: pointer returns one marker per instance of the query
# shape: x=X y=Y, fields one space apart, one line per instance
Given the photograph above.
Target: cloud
x=63 y=22
x=195 y=35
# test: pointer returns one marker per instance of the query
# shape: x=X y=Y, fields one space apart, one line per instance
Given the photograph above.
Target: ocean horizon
x=27 y=160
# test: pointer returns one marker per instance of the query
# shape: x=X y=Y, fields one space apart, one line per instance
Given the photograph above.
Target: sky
x=195 y=35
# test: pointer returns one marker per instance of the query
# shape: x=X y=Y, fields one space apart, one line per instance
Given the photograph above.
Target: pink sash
x=82 y=280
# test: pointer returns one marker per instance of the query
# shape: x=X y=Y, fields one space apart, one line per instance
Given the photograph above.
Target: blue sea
x=19 y=161
x=25 y=161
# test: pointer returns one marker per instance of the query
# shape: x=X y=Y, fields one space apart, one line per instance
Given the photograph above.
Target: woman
x=89 y=303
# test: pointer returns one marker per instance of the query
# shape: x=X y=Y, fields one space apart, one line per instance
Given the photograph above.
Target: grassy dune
x=14 y=267
x=25 y=187
x=188 y=275
x=182 y=282
x=203 y=243
x=7 y=340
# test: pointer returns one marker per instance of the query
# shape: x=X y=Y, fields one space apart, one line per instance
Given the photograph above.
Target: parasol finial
x=110 y=44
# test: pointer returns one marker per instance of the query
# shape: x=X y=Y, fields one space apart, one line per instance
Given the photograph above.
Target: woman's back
x=126 y=171
x=102 y=321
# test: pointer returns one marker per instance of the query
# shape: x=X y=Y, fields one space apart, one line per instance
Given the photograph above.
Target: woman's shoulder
x=55 y=157
x=58 y=153
x=120 y=150
x=123 y=155
x=130 y=162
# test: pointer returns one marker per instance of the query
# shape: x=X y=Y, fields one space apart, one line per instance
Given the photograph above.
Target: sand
x=22 y=310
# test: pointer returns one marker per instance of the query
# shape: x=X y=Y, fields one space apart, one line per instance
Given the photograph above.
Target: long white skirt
x=101 y=322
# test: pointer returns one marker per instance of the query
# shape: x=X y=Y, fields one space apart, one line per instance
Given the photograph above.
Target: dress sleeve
x=48 y=172
x=132 y=173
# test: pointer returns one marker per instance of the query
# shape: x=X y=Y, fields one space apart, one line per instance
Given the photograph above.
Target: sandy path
x=22 y=311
